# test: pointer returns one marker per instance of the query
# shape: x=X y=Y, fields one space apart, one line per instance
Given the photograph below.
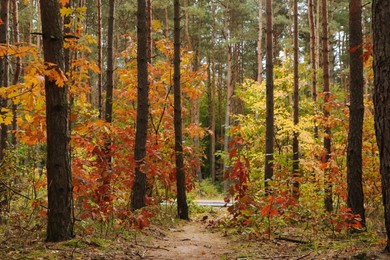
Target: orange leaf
x=64 y=2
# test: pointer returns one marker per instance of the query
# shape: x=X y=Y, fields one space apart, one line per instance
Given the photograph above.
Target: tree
x=59 y=178
x=259 y=44
x=182 y=206
x=313 y=57
x=269 y=136
x=356 y=115
x=229 y=88
x=100 y=56
x=381 y=38
x=139 y=186
x=4 y=71
x=212 y=96
x=18 y=64
x=326 y=91
x=109 y=96
x=296 y=104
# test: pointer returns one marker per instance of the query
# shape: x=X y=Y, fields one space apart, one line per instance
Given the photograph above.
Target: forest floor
x=176 y=239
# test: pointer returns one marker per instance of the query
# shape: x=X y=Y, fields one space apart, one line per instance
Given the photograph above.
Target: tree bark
x=326 y=109
x=313 y=60
x=296 y=105
x=259 y=44
x=18 y=64
x=166 y=22
x=269 y=142
x=182 y=206
x=149 y=23
x=381 y=38
x=139 y=186
x=229 y=95
x=4 y=71
x=100 y=57
x=212 y=97
x=186 y=26
x=110 y=62
x=106 y=176
x=59 y=178
x=356 y=115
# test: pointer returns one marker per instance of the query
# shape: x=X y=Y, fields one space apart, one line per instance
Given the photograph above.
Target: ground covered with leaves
x=206 y=236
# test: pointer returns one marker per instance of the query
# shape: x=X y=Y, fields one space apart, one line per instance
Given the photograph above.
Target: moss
x=75 y=243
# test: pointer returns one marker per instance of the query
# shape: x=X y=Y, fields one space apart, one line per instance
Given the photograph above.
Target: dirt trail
x=190 y=241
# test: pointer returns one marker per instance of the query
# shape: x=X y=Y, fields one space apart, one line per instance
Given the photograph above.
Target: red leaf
x=355 y=48
x=265 y=210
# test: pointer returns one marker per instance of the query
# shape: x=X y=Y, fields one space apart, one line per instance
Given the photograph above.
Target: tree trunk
x=18 y=64
x=4 y=72
x=186 y=27
x=229 y=95
x=313 y=60
x=139 y=186
x=110 y=62
x=212 y=97
x=182 y=206
x=327 y=143
x=296 y=105
x=317 y=32
x=149 y=23
x=59 y=178
x=166 y=22
x=381 y=38
x=106 y=176
x=259 y=44
x=269 y=142
x=354 y=152
x=100 y=58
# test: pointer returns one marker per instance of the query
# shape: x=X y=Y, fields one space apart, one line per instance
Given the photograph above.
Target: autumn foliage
x=102 y=195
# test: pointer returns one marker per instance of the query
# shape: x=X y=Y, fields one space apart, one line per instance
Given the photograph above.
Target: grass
x=207 y=190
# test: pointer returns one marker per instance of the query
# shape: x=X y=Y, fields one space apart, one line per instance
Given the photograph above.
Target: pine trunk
x=149 y=23
x=100 y=58
x=59 y=178
x=18 y=64
x=106 y=176
x=269 y=143
x=229 y=95
x=212 y=97
x=296 y=105
x=259 y=44
x=182 y=206
x=313 y=60
x=139 y=186
x=4 y=71
x=381 y=38
x=356 y=115
x=326 y=89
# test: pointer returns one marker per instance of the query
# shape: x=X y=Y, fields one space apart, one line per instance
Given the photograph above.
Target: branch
x=68 y=36
x=18 y=193
x=293 y=240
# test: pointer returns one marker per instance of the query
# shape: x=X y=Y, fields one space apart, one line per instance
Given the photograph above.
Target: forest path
x=191 y=240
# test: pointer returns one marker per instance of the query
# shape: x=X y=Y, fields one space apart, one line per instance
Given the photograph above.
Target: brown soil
x=190 y=241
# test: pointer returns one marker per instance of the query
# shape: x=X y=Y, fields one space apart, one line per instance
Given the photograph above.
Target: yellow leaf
x=66 y=11
x=156 y=25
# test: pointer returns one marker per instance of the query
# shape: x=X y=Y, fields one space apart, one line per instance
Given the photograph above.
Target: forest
x=220 y=129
